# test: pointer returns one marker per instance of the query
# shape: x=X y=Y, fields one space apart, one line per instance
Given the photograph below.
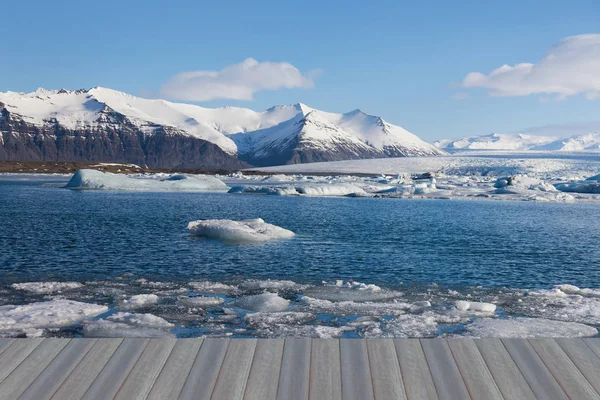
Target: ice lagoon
x=102 y=263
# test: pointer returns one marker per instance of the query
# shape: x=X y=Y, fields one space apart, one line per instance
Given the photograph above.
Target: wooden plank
x=594 y=344
x=15 y=353
x=506 y=374
x=58 y=370
x=107 y=383
x=30 y=368
x=416 y=376
x=586 y=360
x=294 y=376
x=475 y=373
x=82 y=377
x=565 y=372
x=264 y=373
x=325 y=370
x=231 y=382
x=536 y=374
x=444 y=371
x=5 y=343
x=385 y=369
x=203 y=375
x=356 y=372
x=169 y=383
x=142 y=376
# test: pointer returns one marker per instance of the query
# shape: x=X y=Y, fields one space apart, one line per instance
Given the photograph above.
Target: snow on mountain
x=252 y=135
x=522 y=142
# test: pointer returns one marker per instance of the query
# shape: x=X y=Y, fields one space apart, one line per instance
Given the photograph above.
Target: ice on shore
x=528 y=328
x=46 y=287
x=249 y=230
x=47 y=314
x=92 y=179
x=265 y=302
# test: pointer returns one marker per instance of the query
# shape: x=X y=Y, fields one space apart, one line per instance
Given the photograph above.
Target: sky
x=436 y=68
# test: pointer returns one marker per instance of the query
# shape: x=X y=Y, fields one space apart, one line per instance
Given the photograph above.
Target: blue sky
x=403 y=61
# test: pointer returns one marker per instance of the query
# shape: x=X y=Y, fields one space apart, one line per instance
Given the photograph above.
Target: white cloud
x=570 y=67
x=237 y=81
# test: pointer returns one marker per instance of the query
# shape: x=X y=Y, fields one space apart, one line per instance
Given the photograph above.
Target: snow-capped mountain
x=589 y=142
x=106 y=125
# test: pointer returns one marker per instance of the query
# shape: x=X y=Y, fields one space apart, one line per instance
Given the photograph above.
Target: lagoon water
x=473 y=249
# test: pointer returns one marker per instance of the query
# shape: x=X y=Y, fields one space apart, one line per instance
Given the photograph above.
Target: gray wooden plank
x=233 y=376
x=30 y=368
x=586 y=361
x=325 y=370
x=82 y=377
x=506 y=374
x=594 y=344
x=385 y=369
x=356 y=372
x=58 y=370
x=565 y=372
x=294 y=376
x=5 y=343
x=444 y=371
x=15 y=353
x=416 y=376
x=142 y=376
x=203 y=375
x=115 y=371
x=170 y=382
x=536 y=374
x=473 y=369
x=264 y=373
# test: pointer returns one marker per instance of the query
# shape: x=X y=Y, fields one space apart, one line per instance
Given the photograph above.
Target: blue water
x=54 y=233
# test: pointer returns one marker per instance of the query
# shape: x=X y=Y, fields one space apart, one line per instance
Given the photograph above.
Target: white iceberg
x=528 y=328
x=92 y=179
x=248 y=230
x=46 y=287
x=580 y=187
x=47 y=314
x=265 y=302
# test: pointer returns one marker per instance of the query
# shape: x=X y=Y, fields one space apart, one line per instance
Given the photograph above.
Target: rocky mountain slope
x=103 y=125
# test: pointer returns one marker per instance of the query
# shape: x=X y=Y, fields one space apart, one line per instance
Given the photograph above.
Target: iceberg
x=92 y=179
x=248 y=230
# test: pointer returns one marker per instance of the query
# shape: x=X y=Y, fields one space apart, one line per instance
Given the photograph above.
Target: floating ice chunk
x=248 y=230
x=108 y=329
x=354 y=291
x=528 y=328
x=141 y=320
x=556 y=292
x=266 y=302
x=139 y=301
x=211 y=287
x=354 y=308
x=253 y=284
x=411 y=325
x=590 y=292
x=332 y=189
x=47 y=314
x=419 y=306
x=462 y=305
x=202 y=301
x=92 y=179
x=272 y=190
x=594 y=178
x=566 y=288
x=46 y=287
x=262 y=319
x=580 y=187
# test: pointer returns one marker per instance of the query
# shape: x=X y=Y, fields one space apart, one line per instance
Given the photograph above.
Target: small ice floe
x=138 y=301
x=47 y=314
x=211 y=287
x=309 y=189
x=354 y=291
x=92 y=179
x=254 y=284
x=244 y=231
x=355 y=308
x=265 y=302
x=124 y=325
x=46 y=287
x=201 y=301
x=580 y=187
x=462 y=305
x=528 y=328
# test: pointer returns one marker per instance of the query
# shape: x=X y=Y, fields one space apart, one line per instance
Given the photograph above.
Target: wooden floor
x=163 y=369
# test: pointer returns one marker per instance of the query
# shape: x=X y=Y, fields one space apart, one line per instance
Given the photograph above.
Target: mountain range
x=588 y=142
x=104 y=125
